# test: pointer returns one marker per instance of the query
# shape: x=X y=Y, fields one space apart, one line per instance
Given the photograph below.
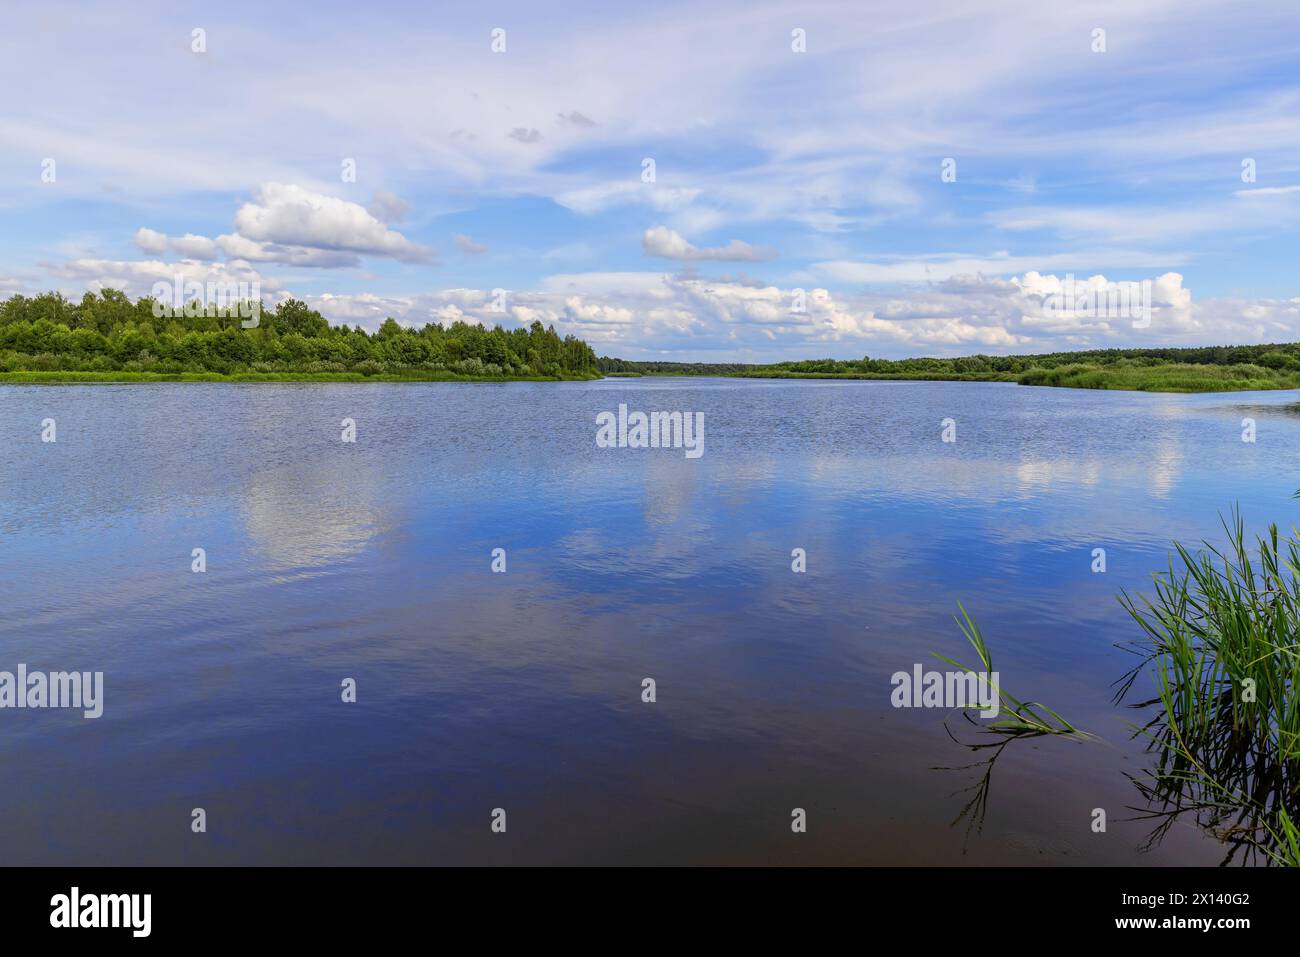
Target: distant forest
x=108 y=333
x=1274 y=356
x=1209 y=368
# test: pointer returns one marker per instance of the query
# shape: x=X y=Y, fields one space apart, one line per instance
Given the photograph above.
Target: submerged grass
x=1027 y=717
x=1220 y=643
x=1220 y=646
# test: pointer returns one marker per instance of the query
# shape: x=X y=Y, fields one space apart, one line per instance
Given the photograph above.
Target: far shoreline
x=139 y=378
x=1195 y=385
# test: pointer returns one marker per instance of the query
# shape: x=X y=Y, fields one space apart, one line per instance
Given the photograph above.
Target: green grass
x=1131 y=377
x=888 y=376
x=1220 y=644
x=1171 y=377
x=1153 y=369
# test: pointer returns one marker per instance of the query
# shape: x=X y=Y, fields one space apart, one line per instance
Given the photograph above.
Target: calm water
x=522 y=690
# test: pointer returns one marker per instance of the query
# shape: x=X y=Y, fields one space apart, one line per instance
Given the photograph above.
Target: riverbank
x=1175 y=377
x=110 y=378
x=1172 y=378
x=1267 y=366
x=1122 y=375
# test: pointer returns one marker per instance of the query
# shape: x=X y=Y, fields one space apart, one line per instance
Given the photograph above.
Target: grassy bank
x=1172 y=377
x=73 y=378
x=1208 y=369
x=894 y=376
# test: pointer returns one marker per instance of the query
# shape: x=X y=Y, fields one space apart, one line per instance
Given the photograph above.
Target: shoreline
x=1189 y=386
x=135 y=378
x=1193 y=383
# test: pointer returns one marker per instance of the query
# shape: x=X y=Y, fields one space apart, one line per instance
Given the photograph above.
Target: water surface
x=522 y=690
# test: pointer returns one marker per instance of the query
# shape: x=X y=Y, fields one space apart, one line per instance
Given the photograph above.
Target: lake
x=522 y=690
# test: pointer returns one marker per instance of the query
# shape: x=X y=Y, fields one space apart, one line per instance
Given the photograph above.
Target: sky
x=730 y=181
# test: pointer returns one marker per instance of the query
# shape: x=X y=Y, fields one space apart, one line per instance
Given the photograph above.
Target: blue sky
x=775 y=170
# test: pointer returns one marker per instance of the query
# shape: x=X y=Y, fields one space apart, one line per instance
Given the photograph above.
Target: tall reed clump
x=1221 y=644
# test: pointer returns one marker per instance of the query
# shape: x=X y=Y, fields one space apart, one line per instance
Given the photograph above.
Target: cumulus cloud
x=1065 y=304
x=241 y=247
x=288 y=215
x=138 y=277
x=187 y=246
x=665 y=243
x=659 y=314
x=150 y=240
x=656 y=314
x=293 y=226
x=595 y=313
x=191 y=246
x=523 y=134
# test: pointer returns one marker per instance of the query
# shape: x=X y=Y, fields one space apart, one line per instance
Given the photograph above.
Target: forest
x=106 y=335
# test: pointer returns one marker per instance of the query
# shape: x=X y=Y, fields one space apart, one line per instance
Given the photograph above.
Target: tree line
x=108 y=332
x=1275 y=356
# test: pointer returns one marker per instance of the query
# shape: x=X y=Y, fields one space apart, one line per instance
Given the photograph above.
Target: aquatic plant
x=1219 y=644
x=1026 y=721
x=1026 y=718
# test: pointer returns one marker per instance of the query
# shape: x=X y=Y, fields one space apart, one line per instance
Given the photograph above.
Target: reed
x=1220 y=646
x=1027 y=717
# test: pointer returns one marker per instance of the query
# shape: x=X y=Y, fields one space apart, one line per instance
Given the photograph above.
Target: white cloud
x=596 y=313
x=137 y=277
x=644 y=313
x=1267 y=191
x=240 y=247
x=942 y=267
x=191 y=246
x=693 y=317
x=589 y=200
x=291 y=225
x=150 y=241
x=290 y=215
x=666 y=244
